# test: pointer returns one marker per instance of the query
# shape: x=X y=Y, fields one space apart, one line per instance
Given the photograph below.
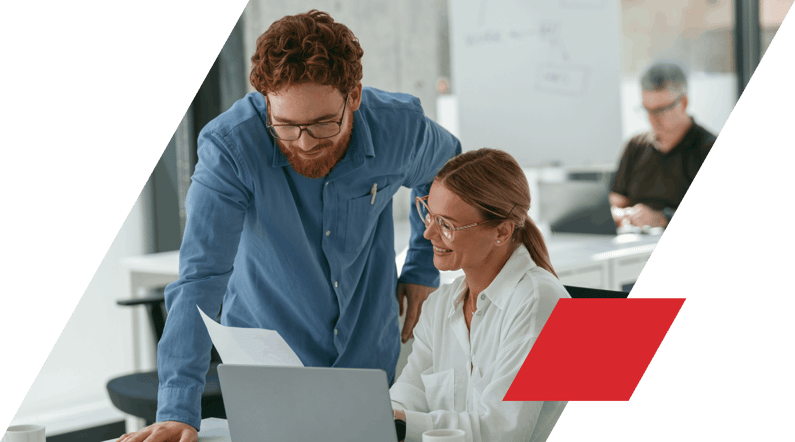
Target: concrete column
x=400 y=39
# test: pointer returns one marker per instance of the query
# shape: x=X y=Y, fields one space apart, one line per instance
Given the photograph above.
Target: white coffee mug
x=24 y=433
x=443 y=436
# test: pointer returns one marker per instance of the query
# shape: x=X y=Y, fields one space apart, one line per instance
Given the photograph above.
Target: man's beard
x=318 y=167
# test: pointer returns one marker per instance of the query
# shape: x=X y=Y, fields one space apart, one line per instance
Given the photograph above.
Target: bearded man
x=289 y=217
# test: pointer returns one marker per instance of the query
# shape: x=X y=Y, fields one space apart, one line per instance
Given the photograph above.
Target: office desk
x=597 y=261
x=567 y=250
x=600 y=261
x=212 y=430
x=144 y=273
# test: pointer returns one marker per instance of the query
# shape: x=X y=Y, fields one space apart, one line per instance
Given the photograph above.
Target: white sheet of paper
x=250 y=346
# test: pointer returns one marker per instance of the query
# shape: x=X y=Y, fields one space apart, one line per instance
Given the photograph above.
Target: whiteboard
x=539 y=79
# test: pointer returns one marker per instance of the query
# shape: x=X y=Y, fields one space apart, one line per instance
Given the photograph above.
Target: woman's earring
x=498 y=241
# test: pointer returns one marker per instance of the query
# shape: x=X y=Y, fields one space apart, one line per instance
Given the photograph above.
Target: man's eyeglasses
x=447 y=228
x=291 y=132
x=660 y=111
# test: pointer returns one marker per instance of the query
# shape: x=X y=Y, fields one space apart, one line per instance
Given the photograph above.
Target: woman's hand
x=400 y=424
x=399 y=415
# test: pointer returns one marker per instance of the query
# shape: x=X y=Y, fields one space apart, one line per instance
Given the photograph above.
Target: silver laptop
x=306 y=404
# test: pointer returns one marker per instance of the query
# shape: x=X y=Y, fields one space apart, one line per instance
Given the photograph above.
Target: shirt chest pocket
x=439 y=389
x=363 y=214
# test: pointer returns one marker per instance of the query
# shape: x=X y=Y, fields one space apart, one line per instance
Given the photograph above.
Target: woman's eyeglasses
x=447 y=228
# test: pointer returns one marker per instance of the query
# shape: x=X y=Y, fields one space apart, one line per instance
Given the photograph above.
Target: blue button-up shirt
x=313 y=259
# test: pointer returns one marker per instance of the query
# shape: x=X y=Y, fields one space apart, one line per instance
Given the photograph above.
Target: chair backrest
x=587 y=292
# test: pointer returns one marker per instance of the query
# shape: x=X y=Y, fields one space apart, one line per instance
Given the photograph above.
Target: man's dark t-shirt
x=646 y=175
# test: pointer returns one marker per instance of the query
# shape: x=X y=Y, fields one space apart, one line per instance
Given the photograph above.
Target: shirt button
x=482 y=296
x=328 y=232
x=326 y=183
x=335 y=284
x=335 y=332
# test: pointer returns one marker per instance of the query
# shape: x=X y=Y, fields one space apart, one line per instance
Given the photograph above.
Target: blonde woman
x=474 y=334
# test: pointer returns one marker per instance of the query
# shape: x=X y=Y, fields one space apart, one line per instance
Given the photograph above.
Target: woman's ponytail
x=531 y=237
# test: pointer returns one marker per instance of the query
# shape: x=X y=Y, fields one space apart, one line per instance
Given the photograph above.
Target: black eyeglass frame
x=660 y=111
x=307 y=127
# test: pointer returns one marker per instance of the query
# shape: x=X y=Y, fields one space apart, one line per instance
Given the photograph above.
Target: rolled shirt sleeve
x=216 y=203
x=435 y=146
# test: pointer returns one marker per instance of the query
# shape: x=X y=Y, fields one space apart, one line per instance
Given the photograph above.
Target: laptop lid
x=594 y=219
x=306 y=404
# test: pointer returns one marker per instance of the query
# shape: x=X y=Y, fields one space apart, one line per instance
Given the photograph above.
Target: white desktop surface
x=570 y=249
x=573 y=250
x=566 y=251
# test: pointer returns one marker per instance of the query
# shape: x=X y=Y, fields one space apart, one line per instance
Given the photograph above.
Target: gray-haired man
x=658 y=166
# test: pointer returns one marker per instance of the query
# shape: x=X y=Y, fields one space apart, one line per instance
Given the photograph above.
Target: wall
x=399 y=39
x=538 y=79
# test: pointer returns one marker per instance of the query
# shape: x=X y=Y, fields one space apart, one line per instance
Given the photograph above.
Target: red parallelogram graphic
x=594 y=349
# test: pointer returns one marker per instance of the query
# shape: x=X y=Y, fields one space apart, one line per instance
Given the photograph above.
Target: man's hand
x=620 y=216
x=416 y=295
x=618 y=207
x=168 y=431
x=643 y=215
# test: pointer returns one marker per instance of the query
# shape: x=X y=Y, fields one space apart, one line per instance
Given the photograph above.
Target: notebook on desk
x=279 y=404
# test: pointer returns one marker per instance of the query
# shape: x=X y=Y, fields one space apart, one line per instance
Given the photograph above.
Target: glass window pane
x=699 y=34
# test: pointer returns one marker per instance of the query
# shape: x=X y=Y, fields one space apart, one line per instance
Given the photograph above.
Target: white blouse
x=437 y=389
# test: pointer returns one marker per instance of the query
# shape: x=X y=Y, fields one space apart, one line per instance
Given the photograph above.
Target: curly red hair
x=306 y=48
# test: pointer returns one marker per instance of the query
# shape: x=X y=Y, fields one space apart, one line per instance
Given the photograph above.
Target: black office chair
x=136 y=393
x=587 y=292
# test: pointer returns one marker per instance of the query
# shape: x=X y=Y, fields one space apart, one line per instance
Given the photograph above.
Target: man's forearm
x=418 y=267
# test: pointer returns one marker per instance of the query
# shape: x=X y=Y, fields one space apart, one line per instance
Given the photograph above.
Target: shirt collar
x=685 y=143
x=361 y=131
x=279 y=160
x=504 y=284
